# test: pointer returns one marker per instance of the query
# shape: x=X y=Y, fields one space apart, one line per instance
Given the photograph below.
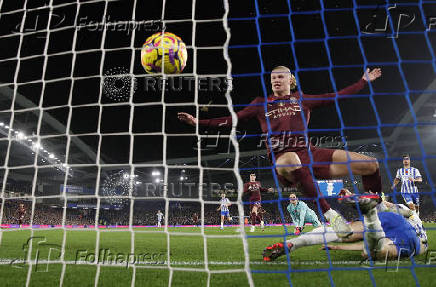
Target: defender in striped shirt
x=408 y=176
x=224 y=207
x=160 y=217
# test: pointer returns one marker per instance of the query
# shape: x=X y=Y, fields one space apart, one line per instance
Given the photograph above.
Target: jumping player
x=224 y=207
x=290 y=151
x=301 y=214
x=408 y=176
x=253 y=188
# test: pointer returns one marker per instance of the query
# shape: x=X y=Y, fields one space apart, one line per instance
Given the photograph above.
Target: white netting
x=114 y=183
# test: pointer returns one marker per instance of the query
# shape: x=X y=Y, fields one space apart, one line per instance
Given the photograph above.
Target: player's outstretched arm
x=248 y=112
x=396 y=181
x=303 y=211
x=187 y=118
x=369 y=76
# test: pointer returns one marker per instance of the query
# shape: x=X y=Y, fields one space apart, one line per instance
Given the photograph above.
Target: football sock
x=373 y=229
x=330 y=215
x=372 y=182
x=316 y=236
x=253 y=218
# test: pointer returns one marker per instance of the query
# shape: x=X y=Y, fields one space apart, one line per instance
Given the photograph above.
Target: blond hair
x=292 y=77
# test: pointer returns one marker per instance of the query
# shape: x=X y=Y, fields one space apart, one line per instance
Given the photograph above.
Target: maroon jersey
x=254 y=189
x=284 y=115
x=195 y=217
x=21 y=212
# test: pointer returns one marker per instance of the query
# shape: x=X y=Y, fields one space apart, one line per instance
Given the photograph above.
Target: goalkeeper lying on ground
x=387 y=232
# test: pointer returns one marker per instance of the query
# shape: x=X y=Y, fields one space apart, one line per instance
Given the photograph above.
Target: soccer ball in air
x=166 y=46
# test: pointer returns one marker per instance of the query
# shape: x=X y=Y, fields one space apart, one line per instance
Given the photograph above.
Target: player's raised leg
x=289 y=166
x=360 y=164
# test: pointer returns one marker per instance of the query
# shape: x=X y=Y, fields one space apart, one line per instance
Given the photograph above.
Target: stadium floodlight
x=182 y=178
x=155 y=173
x=6 y=127
x=1 y=124
x=21 y=136
x=157 y=180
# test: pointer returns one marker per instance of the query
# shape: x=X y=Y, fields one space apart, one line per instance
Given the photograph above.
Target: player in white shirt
x=160 y=216
x=408 y=176
x=224 y=207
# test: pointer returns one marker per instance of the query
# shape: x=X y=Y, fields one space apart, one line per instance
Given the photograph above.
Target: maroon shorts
x=322 y=158
x=255 y=203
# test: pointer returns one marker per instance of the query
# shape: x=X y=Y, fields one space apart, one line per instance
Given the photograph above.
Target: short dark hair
x=406 y=155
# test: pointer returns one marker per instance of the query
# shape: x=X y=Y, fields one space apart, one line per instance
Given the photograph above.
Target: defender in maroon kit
x=253 y=188
x=290 y=156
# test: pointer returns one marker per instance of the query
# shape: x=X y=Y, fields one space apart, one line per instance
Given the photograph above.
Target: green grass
x=309 y=265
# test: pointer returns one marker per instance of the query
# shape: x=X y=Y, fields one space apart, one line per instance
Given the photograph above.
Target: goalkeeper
x=301 y=214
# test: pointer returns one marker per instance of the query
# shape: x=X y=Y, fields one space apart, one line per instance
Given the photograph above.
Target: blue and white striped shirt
x=224 y=202
x=159 y=216
x=404 y=174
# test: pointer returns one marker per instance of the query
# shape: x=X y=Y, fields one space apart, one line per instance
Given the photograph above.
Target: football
x=164 y=52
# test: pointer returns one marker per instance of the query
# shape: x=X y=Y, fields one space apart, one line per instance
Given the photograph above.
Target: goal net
x=102 y=183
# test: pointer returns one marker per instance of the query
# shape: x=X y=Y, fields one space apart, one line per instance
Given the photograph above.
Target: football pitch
x=116 y=263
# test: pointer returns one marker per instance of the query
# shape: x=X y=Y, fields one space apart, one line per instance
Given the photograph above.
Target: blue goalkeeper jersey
x=301 y=214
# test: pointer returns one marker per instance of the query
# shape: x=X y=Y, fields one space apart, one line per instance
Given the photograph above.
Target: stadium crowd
x=181 y=214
